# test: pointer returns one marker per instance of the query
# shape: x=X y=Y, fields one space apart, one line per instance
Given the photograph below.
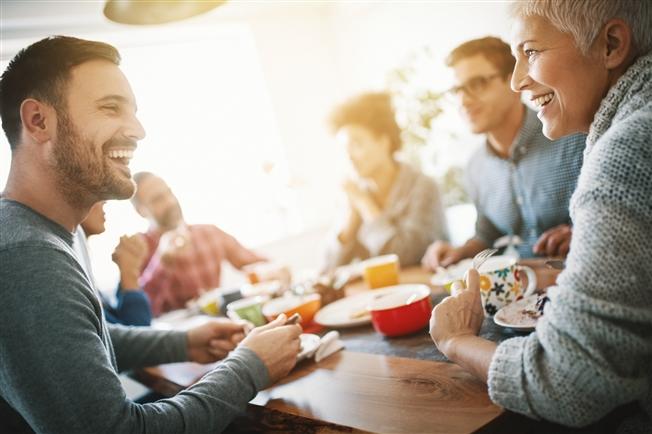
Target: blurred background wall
x=234 y=103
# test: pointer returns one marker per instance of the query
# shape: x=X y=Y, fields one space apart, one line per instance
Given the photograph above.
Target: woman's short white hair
x=584 y=18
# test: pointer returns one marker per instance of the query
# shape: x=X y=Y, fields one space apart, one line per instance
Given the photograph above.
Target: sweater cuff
x=178 y=345
x=506 y=377
x=256 y=368
x=375 y=234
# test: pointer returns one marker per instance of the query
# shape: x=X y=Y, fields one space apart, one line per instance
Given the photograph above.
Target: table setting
x=345 y=350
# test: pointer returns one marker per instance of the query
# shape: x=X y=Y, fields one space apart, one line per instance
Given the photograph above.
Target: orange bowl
x=305 y=305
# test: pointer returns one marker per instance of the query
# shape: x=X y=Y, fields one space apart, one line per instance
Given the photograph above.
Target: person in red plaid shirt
x=183 y=260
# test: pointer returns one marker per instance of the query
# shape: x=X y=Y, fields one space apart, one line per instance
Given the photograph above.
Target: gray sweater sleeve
x=56 y=371
x=592 y=351
x=136 y=347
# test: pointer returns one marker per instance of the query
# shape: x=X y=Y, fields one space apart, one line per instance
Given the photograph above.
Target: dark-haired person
x=182 y=259
x=520 y=181
x=132 y=305
x=392 y=207
x=70 y=116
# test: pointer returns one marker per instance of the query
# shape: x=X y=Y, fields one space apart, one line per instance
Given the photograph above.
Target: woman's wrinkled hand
x=459 y=315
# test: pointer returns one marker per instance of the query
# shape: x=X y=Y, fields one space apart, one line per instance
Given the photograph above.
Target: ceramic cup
x=305 y=305
x=249 y=309
x=267 y=271
x=501 y=282
x=381 y=271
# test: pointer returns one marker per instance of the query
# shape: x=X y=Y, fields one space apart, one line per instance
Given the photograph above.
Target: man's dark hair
x=495 y=50
x=42 y=71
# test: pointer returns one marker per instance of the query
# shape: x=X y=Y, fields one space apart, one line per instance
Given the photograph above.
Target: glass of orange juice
x=381 y=271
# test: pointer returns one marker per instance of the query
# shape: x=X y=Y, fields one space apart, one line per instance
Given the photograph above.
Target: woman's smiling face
x=565 y=85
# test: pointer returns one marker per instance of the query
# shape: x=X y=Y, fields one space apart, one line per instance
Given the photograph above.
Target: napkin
x=330 y=343
x=320 y=348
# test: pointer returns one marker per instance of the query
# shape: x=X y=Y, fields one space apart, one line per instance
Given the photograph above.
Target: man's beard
x=84 y=173
x=171 y=218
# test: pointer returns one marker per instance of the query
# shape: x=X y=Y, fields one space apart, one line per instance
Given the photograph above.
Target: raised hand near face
x=129 y=256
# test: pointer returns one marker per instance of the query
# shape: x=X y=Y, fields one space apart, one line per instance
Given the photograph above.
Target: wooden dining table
x=376 y=384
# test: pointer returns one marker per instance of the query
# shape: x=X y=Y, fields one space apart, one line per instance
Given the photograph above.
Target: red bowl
x=404 y=310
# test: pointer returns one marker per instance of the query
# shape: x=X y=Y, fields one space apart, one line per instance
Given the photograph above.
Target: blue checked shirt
x=528 y=192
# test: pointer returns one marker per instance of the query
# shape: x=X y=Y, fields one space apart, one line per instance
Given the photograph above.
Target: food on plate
x=535 y=308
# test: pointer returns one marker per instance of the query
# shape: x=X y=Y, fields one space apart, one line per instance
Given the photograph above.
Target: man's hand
x=173 y=243
x=457 y=316
x=214 y=340
x=554 y=242
x=277 y=345
x=129 y=256
x=442 y=254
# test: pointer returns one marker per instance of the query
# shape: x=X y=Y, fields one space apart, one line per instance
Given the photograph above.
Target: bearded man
x=70 y=117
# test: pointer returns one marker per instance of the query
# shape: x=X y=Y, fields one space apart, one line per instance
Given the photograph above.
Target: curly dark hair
x=373 y=111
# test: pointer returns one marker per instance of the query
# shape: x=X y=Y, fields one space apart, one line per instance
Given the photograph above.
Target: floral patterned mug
x=501 y=282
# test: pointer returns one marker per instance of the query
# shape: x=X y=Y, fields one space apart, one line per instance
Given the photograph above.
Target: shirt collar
x=524 y=138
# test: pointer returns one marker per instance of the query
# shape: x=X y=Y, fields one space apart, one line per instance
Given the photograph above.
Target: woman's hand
x=459 y=315
x=454 y=327
x=361 y=201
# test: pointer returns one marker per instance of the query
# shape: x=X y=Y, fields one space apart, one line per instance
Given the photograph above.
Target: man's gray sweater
x=59 y=359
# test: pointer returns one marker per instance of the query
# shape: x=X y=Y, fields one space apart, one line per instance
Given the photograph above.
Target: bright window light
x=211 y=134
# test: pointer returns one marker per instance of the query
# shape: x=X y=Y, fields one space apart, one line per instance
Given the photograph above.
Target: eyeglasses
x=473 y=87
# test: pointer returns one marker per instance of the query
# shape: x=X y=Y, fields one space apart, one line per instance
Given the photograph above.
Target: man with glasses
x=519 y=181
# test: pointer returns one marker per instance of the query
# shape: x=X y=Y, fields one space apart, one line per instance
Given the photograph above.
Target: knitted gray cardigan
x=592 y=350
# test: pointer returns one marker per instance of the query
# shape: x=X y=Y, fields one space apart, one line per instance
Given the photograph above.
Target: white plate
x=512 y=315
x=339 y=313
x=444 y=276
x=309 y=344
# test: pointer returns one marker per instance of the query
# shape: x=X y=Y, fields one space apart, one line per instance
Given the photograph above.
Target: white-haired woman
x=587 y=66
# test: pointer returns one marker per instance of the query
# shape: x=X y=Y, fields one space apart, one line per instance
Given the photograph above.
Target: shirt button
x=522 y=151
x=519 y=200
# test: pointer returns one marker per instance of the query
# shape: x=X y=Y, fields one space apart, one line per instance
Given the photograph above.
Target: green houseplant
x=420 y=111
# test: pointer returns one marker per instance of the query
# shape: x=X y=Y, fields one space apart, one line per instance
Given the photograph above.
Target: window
x=211 y=134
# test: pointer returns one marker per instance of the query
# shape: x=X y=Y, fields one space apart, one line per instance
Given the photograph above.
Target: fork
x=479 y=259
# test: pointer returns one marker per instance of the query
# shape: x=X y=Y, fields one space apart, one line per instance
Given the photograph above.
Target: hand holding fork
x=478 y=260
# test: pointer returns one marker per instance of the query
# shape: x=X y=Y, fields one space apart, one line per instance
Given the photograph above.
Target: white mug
x=501 y=283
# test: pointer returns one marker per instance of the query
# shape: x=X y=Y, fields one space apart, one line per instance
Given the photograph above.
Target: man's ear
x=617 y=43
x=39 y=120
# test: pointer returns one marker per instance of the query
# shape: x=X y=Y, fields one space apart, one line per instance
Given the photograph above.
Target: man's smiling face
x=97 y=132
